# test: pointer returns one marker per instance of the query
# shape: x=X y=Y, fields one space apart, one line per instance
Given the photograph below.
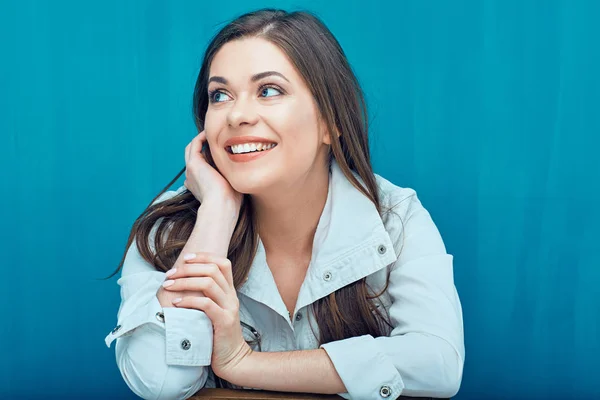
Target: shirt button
x=298 y=317
x=116 y=329
x=381 y=249
x=385 y=391
x=185 y=344
x=160 y=316
x=327 y=276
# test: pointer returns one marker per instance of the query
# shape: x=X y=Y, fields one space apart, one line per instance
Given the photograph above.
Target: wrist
x=225 y=203
x=224 y=210
x=241 y=367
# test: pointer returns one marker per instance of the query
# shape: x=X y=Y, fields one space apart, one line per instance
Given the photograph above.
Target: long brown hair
x=321 y=62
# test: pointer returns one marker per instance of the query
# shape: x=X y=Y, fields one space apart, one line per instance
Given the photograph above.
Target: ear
x=327 y=136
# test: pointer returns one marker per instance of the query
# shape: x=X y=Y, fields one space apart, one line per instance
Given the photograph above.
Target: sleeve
x=424 y=354
x=161 y=353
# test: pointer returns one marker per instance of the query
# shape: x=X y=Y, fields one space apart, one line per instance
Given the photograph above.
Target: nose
x=242 y=113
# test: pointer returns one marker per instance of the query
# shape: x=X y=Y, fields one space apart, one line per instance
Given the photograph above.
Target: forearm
x=212 y=231
x=309 y=371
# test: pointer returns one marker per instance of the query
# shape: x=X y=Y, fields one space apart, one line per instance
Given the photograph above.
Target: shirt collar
x=350 y=242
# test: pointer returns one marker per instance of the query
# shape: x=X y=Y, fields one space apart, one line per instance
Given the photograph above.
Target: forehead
x=242 y=58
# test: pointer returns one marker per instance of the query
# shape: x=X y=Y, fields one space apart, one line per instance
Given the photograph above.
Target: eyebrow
x=254 y=78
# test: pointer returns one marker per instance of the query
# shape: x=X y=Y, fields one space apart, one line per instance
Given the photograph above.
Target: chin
x=251 y=183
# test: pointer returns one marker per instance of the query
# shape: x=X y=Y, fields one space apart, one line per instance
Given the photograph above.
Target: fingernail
x=177 y=300
x=171 y=271
x=189 y=256
x=168 y=283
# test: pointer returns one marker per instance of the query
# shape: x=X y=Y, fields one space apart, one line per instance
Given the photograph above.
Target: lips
x=250 y=144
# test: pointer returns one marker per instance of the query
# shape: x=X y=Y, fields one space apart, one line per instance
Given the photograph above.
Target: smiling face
x=262 y=123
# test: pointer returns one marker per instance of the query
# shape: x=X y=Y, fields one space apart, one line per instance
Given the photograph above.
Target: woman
x=306 y=272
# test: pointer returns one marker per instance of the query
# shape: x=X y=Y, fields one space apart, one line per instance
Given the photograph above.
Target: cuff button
x=385 y=391
x=116 y=329
x=381 y=249
x=186 y=344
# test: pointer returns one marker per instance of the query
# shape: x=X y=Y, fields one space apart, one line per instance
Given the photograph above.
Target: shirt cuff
x=151 y=312
x=367 y=372
x=189 y=336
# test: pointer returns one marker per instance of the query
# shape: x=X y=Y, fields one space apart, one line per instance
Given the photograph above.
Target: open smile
x=248 y=148
x=245 y=148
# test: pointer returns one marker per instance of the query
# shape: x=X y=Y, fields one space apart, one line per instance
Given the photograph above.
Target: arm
x=212 y=232
x=424 y=354
x=309 y=371
x=148 y=351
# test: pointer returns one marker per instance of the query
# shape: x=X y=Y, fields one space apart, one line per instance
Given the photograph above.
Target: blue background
x=489 y=109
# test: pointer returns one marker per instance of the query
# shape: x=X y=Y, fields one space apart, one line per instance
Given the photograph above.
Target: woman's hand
x=212 y=275
x=202 y=179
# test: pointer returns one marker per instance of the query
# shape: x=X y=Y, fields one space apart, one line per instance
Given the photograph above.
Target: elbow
x=170 y=391
x=447 y=363
x=154 y=379
x=139 y=376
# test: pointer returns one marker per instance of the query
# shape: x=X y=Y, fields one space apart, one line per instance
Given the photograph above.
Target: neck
x=288 y=218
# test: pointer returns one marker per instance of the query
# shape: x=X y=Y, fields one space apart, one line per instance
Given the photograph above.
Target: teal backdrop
x=489 y=109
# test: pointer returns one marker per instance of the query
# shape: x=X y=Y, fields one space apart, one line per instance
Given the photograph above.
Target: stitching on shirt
x=351 y=253
x=340 y=260
x=189 y=361
x=147 y=326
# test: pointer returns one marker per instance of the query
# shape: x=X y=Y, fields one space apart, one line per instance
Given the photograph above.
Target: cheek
x=212 y=129
x=210 y=126
x=298 y=127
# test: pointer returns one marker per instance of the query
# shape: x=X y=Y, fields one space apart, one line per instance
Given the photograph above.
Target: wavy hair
x=316 y=54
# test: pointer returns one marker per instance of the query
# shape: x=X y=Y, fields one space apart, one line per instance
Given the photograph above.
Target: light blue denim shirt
x=166 y=353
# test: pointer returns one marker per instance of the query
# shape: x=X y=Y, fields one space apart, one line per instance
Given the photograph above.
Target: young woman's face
x=262 y=123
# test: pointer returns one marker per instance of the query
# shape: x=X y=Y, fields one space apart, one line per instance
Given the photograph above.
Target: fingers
x=204 y=284
x=195 y=146
x=187 y=153
x=223 y=263
x=200 y=270
x=212 y=309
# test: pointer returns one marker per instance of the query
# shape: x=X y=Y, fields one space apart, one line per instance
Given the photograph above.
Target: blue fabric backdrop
x=489 y=109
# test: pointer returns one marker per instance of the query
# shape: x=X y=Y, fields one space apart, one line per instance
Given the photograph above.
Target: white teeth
x=250 y=147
